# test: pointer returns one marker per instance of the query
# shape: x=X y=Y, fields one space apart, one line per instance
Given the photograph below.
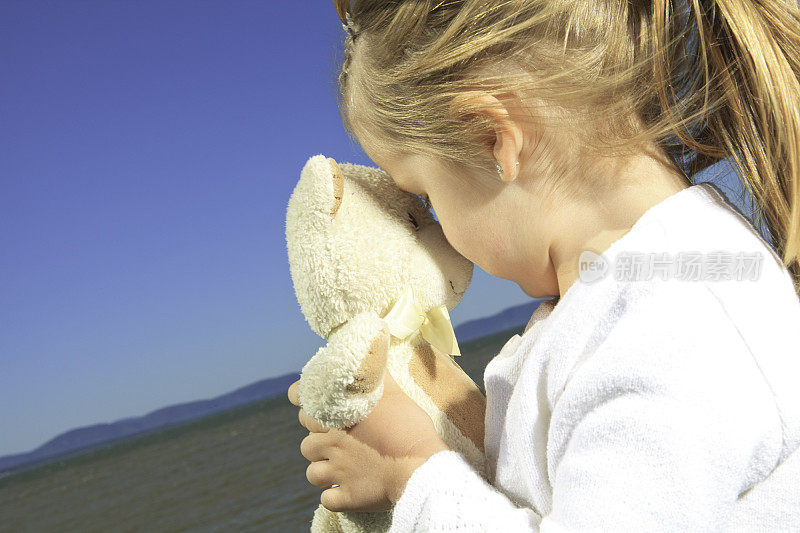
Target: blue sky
x=147 y=152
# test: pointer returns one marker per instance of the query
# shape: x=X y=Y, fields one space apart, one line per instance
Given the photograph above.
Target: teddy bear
x=375 y=276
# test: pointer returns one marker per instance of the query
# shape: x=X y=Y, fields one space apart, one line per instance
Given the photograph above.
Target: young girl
x=555 y=139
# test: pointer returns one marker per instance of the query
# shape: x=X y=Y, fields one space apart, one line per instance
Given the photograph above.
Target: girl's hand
x=372 y=461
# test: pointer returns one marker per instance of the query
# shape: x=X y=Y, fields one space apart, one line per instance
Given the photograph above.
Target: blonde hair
x=701 y=79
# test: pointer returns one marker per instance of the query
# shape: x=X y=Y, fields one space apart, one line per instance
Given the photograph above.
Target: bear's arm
x=341 y=384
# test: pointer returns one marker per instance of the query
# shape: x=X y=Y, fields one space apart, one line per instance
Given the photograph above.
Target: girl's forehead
x=372 y=149
x=380 y=153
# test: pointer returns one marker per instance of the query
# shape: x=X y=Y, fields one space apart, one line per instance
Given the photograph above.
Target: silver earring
x=500 y=169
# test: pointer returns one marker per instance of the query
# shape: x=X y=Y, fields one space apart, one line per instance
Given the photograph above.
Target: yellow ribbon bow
x=406 y=316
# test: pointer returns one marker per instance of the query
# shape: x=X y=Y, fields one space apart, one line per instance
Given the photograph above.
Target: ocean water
x=235 y=471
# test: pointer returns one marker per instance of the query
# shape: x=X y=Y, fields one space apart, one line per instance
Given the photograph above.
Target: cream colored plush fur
x=353 y=249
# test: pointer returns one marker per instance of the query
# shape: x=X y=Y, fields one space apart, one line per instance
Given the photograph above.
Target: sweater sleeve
x=446 y=494
x=651 y=433
x=661 y=429
x=628 y=460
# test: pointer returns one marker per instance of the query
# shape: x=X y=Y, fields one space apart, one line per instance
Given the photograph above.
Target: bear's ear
x=337 y=179
x=318 y=195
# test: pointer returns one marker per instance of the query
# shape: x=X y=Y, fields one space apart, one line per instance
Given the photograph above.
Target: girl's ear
x=337 y=181
x=508 y=136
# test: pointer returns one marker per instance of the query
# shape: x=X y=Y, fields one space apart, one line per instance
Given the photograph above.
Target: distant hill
x=90 y=437
x=506 y=319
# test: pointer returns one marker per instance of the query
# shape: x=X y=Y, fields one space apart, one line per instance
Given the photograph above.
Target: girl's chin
x=537 y=291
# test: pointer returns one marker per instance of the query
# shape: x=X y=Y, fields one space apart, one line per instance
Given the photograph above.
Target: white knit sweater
x=646 y=405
